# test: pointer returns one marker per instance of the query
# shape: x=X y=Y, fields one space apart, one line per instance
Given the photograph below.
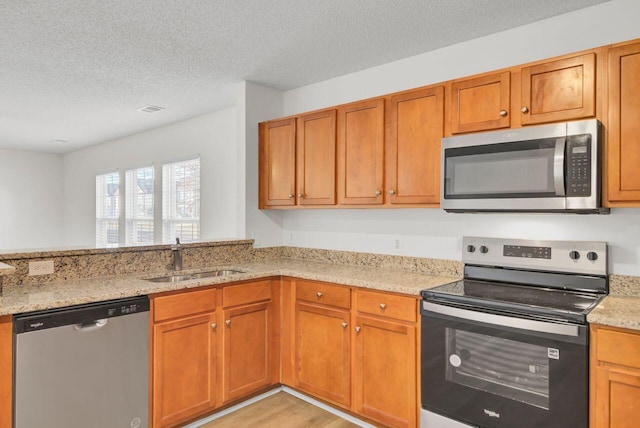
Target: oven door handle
x=503 y=321
x=558 y=167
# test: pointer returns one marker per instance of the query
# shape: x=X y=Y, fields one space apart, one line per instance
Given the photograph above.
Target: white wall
x=256 y=104
x=30 y=200
x=213 y=136
x=432 y=232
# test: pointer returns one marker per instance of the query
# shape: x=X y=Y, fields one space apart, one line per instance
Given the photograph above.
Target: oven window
x=511 y=369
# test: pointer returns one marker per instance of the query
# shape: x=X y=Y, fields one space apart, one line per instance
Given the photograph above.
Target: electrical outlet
x=44 y=267
x=397 y=244
x=290 y=237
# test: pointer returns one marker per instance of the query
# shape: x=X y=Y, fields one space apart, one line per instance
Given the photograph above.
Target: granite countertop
x=5 y=269
x=617 y=311
x=26 y=298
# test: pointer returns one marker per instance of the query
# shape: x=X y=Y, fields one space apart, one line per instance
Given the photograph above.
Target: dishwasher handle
x=90 y=326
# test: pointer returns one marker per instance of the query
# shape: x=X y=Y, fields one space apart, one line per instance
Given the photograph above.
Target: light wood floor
x=280 y=410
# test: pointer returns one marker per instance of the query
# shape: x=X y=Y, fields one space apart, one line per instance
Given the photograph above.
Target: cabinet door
x=385 y=372
x=316 y=158
x=184 y=374
x=247 y=350
x=617 y=398
x=481 y=103
x=322 y=351
x=415 y=124
x=6 y=371
x=361 y=153
x=623 y=155
x=277 y=163
x=559 y=90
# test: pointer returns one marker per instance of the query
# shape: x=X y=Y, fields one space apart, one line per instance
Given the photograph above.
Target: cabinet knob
x=383 y=306
x=524 y=109
x=228 y=323
x=214 y=326
x=344 y=325
x=358 y=329
x=503 y=113
x=392 y=192
x=319 y=294
x=291 y=195
x=301 y=195
x=378 y=193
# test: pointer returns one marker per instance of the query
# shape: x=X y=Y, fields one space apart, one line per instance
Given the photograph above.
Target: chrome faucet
x=176 y=253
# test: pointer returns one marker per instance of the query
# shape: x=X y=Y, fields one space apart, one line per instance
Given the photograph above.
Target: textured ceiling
x=77 y=70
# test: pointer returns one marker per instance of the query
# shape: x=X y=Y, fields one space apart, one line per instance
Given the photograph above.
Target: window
x=107 y=209
x=139 y=206
x=136 y=224
x=181 y=201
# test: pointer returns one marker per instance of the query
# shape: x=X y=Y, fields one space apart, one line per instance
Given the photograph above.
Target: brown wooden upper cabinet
x=415 y=128
x=559 y=90
x=361 y=153
x=623 y=146
x=480 y=103
x=277 y=165
x=316 y=158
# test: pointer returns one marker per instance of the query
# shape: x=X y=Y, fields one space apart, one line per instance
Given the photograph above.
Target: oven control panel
x=588 y=257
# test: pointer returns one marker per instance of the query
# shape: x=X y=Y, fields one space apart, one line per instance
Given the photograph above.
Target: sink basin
x=172 y=278
x=208 y=274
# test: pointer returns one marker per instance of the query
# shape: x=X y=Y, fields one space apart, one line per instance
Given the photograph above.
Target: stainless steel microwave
x=547 y=168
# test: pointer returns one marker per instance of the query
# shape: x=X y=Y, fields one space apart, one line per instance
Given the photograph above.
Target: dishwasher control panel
x=80 y=315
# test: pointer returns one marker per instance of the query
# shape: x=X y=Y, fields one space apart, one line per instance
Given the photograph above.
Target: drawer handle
x=524 y=109
x=214 y=326
x=383 y=306
x=503 y=113
x=319 y=294
x=358 y=329
x=228 y=323
x=344 y=325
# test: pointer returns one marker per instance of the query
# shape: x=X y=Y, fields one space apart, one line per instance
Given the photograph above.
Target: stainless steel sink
x=208 y=274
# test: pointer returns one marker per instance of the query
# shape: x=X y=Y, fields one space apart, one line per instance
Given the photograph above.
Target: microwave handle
x=558 y=166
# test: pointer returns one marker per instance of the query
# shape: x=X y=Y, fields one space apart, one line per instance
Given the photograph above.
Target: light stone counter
x=5 y=269
x=621 y=308
x=617 y=311
x=26 y=298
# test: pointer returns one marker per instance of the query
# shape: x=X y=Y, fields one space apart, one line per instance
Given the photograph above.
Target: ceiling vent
x=150 y=109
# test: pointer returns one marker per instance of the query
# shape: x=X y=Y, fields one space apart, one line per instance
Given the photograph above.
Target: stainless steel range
x=507 y=346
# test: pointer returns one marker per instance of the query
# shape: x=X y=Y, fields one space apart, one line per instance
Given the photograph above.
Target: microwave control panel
x=578 y=155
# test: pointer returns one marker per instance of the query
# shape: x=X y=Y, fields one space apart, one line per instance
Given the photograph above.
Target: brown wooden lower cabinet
x=247 y=364
x=184 y=356
x=361 y=356
x=323 y=352
x=212 y=347
x=6 y=371
x=385 y=375
x=615 y=378
x=184 y=369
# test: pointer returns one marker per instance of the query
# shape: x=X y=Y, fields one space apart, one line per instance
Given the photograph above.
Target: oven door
x=494 y=370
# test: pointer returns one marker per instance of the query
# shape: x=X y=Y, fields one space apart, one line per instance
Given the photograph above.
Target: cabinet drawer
x=618 y=347
x=243 y=294
x=388 y=305
x=326 y=294
x=184 y=304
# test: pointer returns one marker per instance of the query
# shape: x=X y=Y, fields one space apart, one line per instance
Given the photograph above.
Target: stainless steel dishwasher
x=83 y=366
